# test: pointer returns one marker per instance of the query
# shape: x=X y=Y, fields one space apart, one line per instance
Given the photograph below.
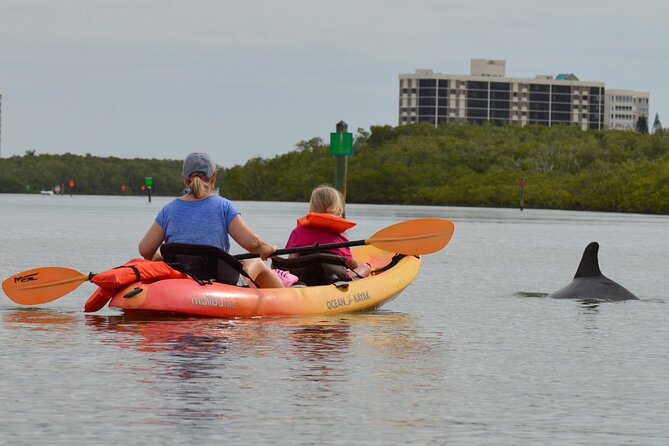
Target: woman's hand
x=266 y=250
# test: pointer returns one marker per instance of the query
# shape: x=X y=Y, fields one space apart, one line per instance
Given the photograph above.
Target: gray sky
x=240 y=79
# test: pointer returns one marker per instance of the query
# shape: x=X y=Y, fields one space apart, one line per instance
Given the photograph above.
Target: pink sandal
x=287 y=278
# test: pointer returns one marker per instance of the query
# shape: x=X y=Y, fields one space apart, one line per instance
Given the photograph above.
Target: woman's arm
x=148 y=247
x=248 y=239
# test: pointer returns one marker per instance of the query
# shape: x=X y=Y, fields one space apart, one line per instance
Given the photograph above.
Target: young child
x=324 y=224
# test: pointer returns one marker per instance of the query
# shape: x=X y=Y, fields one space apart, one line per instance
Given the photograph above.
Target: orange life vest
x=325 y=220
x=135 y=270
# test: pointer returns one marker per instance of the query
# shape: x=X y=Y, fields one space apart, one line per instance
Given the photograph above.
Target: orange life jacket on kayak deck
x=325 y=220
x=136 y=270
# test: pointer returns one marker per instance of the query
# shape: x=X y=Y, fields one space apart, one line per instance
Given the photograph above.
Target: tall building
x=624 y=108
x=487 y=95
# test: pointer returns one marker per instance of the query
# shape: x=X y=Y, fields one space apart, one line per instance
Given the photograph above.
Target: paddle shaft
x=413 y=237
x=305 y=249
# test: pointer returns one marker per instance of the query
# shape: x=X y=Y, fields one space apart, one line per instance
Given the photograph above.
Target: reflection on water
x=197 y=347
x=530 y=294
x=38 y=319
x=163 y=333
x=319 y=345
x=313 y=338
x=590 y=306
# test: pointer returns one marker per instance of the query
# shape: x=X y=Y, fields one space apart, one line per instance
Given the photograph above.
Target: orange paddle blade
x=414 y=237
x=42 y=285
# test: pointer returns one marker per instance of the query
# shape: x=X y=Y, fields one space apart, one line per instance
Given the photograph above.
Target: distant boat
x=46 y=192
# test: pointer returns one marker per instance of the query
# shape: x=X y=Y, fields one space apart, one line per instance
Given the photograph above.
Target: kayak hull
x=186 y=296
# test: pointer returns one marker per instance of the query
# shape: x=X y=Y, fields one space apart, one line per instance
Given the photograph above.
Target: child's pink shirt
x=310 y=235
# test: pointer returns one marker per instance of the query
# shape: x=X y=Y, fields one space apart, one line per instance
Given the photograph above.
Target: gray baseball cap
x=198 y=162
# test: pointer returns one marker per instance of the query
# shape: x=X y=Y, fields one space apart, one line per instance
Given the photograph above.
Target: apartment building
x=624 y=108
x=487 y=95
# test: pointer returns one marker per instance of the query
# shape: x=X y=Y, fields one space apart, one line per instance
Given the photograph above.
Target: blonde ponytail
x=198 y=187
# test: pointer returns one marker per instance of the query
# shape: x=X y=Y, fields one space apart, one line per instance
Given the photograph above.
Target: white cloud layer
x=149 y=78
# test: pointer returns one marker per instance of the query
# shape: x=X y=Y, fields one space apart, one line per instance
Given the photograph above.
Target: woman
x=202 y=217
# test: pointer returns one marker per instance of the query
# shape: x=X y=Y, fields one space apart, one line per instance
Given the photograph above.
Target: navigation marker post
x=148 y=181
x=341 y=146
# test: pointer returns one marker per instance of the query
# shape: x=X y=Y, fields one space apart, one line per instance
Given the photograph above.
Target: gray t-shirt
x=203 y=222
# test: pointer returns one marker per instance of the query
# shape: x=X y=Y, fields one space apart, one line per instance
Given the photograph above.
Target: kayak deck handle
x=135 y=291
x=341 y=285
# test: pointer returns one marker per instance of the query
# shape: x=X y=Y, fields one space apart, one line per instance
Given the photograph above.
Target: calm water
x=463 y=356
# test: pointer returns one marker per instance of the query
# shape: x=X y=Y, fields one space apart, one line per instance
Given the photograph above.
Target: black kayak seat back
x=203 y=262
x=314 y=269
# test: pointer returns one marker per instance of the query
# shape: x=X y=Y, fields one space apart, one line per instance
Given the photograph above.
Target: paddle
x=412 y=237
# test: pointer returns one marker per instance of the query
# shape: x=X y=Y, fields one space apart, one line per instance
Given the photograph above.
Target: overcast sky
x=247 y=78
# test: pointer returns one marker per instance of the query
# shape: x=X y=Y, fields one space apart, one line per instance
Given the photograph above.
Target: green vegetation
x=459 y=164
x=455 y=164
x=92 y=175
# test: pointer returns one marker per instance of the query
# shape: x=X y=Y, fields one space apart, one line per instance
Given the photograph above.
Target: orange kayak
x=186 y=296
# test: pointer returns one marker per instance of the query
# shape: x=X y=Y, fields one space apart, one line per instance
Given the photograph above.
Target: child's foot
x=287 y=278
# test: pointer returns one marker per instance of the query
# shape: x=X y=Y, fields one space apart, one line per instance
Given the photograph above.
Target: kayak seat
x=204 y=263
x=314 y=269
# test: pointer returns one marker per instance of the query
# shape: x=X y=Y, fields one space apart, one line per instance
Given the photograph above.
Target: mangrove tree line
x=455 y=164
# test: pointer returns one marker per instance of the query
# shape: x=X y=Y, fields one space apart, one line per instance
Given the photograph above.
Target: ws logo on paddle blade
x=26 y=278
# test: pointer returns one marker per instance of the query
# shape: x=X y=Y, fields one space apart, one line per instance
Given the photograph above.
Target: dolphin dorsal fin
x=589 y=265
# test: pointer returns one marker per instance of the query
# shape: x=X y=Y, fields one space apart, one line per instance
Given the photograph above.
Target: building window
x=426 y=111
x=502 y=105
x=556 y=106
x=477 y=85
x=500 y=86
x=499 y=114
x=561 y=98
x=539 y=97
x=539 y=115
x=562 y=89
x=477 y=113
x=477 y=103
x=477 y=94
x=539 y=88
x=499 y=95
